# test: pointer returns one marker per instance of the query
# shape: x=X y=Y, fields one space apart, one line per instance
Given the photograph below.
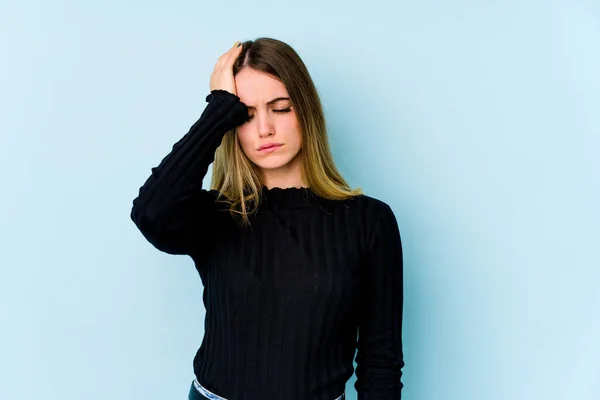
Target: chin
x=272 y=162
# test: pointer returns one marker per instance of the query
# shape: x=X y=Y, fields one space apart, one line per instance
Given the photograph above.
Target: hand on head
x=222 y=76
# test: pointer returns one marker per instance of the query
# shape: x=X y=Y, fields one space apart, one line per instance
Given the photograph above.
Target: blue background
x=478 y=122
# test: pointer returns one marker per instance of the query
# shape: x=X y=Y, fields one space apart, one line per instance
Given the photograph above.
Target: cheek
x=292 y=128
x=243 y=138
x=297 y=133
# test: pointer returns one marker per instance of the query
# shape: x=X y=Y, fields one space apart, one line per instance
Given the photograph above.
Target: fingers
x=230 y=56
x=222 y=76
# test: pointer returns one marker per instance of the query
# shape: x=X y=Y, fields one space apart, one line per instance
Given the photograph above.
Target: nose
x=265 y=125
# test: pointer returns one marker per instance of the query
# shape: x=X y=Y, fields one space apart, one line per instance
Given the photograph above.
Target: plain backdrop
x=477 y=121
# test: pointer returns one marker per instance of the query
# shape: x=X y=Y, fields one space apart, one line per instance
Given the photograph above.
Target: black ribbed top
x=286 y=297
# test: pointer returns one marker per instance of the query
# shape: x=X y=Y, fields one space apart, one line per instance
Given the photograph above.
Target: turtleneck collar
x=288 y=198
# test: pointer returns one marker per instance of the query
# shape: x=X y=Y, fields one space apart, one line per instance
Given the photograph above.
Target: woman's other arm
x=379 y=358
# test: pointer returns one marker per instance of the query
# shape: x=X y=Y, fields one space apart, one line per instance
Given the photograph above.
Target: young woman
x=295 y=264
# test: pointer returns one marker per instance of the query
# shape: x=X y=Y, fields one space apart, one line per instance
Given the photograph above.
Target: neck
x=287 y=176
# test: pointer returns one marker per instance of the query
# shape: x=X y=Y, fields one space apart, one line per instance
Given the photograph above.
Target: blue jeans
x=199 y=392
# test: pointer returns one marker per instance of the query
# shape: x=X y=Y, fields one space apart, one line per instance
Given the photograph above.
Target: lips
x=268 y=146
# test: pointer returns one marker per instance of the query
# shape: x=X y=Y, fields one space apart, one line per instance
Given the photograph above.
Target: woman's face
x=271 y=138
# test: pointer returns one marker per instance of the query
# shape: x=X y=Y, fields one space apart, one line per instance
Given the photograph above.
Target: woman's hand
x=222 y=76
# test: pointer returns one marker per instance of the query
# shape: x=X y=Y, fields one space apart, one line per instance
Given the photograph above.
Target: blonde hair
x=236 y=177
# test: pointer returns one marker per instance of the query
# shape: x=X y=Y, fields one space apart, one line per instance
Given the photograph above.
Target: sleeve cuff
x=220 y=92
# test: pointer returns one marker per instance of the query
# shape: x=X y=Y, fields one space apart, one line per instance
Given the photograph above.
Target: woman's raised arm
x=172 y=210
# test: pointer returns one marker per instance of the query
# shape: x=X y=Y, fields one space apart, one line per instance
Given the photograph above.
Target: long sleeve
x=379 y=358
x=172 y=209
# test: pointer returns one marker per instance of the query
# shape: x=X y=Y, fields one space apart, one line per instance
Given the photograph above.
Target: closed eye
x=281 y=111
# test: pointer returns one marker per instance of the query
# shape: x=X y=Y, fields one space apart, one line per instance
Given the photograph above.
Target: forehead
x=256 y=88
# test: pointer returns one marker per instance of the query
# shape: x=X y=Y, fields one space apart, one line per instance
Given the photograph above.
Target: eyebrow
x=272 y=101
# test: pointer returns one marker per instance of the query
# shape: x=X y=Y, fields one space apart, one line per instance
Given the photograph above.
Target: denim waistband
x=199 y=392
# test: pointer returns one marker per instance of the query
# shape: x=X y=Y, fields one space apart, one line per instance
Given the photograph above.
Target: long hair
x=236 y=177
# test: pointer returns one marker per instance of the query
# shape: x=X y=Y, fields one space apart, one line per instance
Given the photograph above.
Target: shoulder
x=371 y=213
x=370 y=206
x=381 y=225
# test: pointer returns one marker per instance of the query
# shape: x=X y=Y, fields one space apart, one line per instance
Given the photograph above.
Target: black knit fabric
x=286 y=297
